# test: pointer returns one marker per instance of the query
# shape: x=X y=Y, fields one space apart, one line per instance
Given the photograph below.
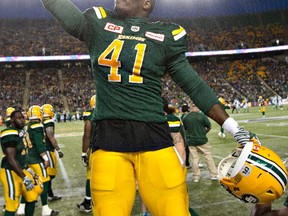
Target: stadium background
x=27 y=30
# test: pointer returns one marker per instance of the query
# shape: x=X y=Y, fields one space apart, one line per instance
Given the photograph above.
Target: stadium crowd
x=69 y=88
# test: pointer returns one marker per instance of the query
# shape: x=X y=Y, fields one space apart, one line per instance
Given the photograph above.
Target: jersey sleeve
x=49 y=123
x=9 y=138
x=174 y=123
x=68 y=15
x=184 y=75
x=87 y=115
x=38 y=136
x=207 y=122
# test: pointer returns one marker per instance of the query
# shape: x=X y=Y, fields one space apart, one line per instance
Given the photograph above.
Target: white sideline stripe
x=69 y=134
x=64 y=174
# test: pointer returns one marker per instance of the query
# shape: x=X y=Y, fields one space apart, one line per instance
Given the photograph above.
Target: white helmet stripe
x=268 y=166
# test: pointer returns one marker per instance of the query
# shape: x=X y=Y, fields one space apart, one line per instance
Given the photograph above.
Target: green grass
x=206 y=197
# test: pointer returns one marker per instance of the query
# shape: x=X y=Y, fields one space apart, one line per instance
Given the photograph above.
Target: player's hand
x=243 y=136
x=60 y=153
x=28 y=183
x=84 y=159
x=46 y=164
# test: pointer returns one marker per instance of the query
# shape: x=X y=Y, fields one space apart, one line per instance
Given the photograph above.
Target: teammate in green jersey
x=37 y=158
x=129 y=56
x=51 y=147
x=13 y=174
x=87 y=139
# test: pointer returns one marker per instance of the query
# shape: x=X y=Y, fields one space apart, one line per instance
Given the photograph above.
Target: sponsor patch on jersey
x=135 y=28
x=155 y=36
x=113 y=28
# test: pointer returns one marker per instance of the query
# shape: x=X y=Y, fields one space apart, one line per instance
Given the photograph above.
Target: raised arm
x=67 y=15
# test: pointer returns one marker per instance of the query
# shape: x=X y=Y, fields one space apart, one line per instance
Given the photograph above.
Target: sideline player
x=37 y=158
x=51 y=146
x=87 y=138
x=13 y=174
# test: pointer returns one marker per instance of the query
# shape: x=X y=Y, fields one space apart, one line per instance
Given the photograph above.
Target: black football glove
x=60 y=153
x=84 y=160
x=28 y=183
x=243 y=136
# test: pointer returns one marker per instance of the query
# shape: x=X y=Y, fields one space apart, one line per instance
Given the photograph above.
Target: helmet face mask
x=48 y=110
x=35 y=112
x=253 y=174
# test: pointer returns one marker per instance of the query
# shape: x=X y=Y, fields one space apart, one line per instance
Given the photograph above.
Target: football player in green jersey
x=37 y=158
x=129 y=56
x=87 y=139
x=51 y=146
x=176 y=129
x=13 y=174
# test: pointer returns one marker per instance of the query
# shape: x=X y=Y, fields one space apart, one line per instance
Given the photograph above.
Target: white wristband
x=83 y=154
x=45 y=157
x=231 y=126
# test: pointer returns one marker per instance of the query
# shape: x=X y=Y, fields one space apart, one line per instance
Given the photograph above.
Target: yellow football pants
x=160 y=176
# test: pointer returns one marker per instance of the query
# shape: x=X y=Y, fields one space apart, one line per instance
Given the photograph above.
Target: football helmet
x=253 y=174
x=93 y=102
x=33 y=194
x=9 y=110
x=35 y=112
x=48 y=110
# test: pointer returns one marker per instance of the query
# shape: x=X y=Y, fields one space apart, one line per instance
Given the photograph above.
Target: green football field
x=206 y=197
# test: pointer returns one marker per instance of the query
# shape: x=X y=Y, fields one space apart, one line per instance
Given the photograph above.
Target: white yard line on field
x=64 y=174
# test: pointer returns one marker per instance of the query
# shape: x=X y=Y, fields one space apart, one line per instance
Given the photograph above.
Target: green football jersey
x=13 y=137
x=89 y=115
x=38 y=146
x=7 y=122
x=49 y=123
x=129 y=57
x=174 y=123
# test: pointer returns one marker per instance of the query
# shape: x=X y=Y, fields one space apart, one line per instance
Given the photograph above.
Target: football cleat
x=52 y=213
x=54 y=198
x=85 y=207
x=35 y=112
x=93 y=102
x=48 y=110
x=253 y=174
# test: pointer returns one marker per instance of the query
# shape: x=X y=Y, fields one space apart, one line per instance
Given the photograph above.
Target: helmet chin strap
x=231 y=165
